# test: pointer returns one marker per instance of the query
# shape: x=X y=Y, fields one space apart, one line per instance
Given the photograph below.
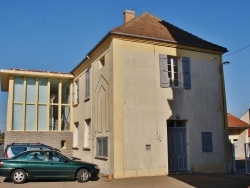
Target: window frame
x=31 y=110
x=100 y=150
x=172 y=72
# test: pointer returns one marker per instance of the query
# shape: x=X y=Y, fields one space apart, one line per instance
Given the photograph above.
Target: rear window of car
x=17 y=150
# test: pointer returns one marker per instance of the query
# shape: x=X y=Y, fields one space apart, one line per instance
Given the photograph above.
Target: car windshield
x=67 y=157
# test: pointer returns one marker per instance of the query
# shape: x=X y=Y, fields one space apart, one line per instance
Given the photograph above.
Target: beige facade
x=149 y=101
x=128 y=106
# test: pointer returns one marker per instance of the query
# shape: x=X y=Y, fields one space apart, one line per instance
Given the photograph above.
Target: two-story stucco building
x=147 y=100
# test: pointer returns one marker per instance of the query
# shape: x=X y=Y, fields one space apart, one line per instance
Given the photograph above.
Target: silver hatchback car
x=15 y=148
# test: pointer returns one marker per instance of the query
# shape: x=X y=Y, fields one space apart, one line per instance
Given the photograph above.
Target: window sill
x=86 y=149
x=87 y=99
x=75 y=104
x=101 y=158
x=75 y=148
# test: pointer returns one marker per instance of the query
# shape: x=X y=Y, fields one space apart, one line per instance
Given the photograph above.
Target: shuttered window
x=171 y=74
x=164 y=81
x=207 y=142
x=186 y=73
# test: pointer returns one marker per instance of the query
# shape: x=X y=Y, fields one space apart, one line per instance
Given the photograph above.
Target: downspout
x=224 y=113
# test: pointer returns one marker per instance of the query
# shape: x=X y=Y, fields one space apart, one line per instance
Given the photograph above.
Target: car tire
x=83 y=175
x=18 y=176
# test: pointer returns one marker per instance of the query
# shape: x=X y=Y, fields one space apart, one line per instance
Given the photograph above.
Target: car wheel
x=18 y=176
x=83 y=175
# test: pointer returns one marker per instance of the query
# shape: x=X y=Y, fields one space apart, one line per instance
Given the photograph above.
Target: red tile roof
x=234 y=122
x=149 y=27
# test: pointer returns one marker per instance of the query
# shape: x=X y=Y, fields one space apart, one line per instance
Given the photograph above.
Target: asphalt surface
x=171 y=181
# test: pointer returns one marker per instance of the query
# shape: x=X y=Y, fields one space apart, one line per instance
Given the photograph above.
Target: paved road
x=150 y=182
x=173 y=181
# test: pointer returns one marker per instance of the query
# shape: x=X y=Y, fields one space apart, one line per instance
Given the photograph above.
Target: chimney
x=128 y=15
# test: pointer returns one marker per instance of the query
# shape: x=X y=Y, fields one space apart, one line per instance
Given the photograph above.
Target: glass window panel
x=30 y=90
x=42 y=116
x=65 y=91
x=42 y=90
x=65 y=118
x=176 y=76
x=105 y=147
x=169 y=75
x=102 y=146
x=54 y=91
x=169 y=67
x=175 y=62
x=170 y=123
x=17 y=117
x=53 y=120
x=99 y=147
x=18 y=89
x=175 y=69
x=30 y=117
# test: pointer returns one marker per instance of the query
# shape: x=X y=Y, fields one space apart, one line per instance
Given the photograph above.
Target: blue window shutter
x=163 y=60
x=207 y=143
x=186 y=73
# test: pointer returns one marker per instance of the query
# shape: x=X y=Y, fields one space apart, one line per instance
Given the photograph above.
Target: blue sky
x=56 y=35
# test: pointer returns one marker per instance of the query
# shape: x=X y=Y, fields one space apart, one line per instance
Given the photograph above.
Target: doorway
x=177 y=146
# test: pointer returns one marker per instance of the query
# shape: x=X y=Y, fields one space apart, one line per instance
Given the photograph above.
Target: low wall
x=60 y=140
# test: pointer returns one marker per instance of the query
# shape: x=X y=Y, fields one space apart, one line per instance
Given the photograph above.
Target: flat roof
x=5 y=75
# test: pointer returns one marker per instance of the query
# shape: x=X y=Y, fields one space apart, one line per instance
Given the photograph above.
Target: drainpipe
x=224 y=111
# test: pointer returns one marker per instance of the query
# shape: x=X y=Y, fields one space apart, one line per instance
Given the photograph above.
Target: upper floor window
x=102 y=62
x=76 y=92
x=87 y=84
x=36 y=105
x=173 y=73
